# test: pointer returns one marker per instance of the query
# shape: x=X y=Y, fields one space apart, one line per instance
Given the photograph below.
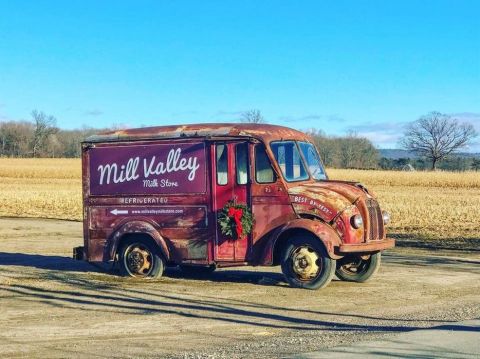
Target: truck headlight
x=386 y=217
x=357 y=221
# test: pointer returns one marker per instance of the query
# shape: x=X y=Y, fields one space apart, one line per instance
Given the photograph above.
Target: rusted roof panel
x=262 y=132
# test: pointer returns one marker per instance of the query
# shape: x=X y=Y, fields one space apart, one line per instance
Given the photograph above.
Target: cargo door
x=231 y=183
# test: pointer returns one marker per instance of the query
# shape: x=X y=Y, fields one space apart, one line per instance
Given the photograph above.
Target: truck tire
x=306 y=264
x=192 y=270
x=355 y=268
x=140 y=258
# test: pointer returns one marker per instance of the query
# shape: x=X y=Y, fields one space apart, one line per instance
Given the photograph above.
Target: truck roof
x=263 y=132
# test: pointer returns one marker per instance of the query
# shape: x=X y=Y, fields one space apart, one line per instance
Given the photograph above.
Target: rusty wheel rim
x=138 y=260
x=305 y=263
x=356 y=265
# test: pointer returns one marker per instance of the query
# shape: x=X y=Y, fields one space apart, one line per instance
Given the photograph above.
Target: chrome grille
x=375 y=220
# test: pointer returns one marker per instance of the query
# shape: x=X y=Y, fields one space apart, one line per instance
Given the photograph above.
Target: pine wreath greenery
x=235 y=220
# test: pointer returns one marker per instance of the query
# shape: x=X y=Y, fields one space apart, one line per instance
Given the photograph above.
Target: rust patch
x=262 y=132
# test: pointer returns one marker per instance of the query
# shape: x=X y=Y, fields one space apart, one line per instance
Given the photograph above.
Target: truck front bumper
x=372 y=246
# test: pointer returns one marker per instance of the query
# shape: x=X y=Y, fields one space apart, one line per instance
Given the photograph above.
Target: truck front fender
x=324 y=232
x=140 y=228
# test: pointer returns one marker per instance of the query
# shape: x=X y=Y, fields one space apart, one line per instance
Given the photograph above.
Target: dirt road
x=449 y=341
x=52 y=306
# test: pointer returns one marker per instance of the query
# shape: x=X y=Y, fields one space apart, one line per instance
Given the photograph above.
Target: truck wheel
x=306 y=264
x=191 y=270
x=141 y=259
x=355 y=268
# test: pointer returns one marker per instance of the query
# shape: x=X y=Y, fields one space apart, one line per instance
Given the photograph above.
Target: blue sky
x=339 y=66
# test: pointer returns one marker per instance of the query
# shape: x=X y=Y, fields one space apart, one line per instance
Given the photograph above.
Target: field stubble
x=431 y=205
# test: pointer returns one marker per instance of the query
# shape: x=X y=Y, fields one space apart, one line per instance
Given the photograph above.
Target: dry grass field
x=422 y=204
x=425 y=204
x=45 y=188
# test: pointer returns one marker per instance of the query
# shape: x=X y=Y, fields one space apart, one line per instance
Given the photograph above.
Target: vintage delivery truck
x=218 y=195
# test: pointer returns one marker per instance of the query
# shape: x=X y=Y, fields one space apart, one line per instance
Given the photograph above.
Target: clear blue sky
x=363 y=66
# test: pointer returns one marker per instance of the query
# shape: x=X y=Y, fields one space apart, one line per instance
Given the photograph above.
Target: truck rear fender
x=321 y=230
x=142 y=228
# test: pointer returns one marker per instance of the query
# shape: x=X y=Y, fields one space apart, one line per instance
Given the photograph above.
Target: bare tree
x=437 y=135
x=53 y=146
x=45 y=126
x=350 y=151
x=252 y=116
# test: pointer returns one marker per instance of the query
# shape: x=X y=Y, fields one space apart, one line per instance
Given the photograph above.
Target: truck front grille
x=375 y=220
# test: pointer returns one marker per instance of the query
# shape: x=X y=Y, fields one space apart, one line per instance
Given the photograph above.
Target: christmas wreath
x=235 y=220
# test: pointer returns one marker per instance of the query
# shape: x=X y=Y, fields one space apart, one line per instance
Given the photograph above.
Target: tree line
x=40 y=138
x=452 y=163
x=350 y=151
x=353 y=151
x=434 y=138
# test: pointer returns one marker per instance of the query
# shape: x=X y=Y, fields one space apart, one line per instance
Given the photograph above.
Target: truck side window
x=222 y=164
x=263 y=168
x=241 y=160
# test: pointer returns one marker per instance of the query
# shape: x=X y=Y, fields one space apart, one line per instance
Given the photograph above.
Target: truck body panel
x=171 y=182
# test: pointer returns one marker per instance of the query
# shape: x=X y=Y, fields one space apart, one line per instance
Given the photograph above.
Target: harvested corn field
x=43 y=188
x=435 y=205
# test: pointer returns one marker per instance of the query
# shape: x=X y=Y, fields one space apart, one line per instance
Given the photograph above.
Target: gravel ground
x=55 y=307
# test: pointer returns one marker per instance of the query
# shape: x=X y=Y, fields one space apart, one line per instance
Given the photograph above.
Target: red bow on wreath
x=235 y=220
x=236 y=214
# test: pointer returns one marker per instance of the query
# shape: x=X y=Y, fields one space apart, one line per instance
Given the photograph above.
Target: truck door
x=231 y=174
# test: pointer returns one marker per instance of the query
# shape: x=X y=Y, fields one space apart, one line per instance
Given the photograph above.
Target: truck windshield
x=291 y=163
x=314 y=164
x=289 y=160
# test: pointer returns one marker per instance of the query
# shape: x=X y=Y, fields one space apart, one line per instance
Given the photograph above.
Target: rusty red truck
x=219 y=195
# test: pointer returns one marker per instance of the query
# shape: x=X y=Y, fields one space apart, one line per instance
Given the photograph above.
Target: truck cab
x=219 y=195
